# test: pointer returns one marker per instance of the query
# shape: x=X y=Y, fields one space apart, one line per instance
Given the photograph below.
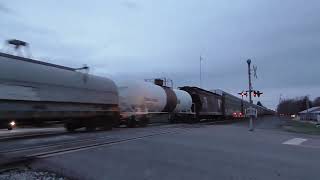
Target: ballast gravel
x=27 y=174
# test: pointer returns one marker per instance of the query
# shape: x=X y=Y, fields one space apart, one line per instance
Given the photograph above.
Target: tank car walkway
x=198 y=151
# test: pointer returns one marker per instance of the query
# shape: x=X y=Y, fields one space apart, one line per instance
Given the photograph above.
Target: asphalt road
x=226 y=151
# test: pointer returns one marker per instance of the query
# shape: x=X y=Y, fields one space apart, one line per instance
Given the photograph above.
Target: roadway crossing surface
x=207 y=152
x=199 y=151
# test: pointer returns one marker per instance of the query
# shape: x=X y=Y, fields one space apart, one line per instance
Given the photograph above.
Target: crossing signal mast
x=251 y=91
x=256 y=93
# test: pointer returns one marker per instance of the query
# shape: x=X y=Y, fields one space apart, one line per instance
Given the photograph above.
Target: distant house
x=310 y=114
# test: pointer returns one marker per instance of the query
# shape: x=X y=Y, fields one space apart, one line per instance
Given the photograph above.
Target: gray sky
x=152 y=38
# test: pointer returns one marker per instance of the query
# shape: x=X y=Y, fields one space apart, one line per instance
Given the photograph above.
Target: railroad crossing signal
x=243 y=94
x=257 y=93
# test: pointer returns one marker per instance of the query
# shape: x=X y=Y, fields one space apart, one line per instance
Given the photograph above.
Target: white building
x=312 y=114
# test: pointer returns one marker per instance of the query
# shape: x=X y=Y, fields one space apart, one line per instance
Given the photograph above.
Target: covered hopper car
x=206 y=104
x=33 y=91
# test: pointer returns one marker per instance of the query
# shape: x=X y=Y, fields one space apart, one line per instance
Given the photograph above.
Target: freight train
x=33 y=91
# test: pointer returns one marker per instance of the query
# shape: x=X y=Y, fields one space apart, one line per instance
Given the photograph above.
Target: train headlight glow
x=12 y=123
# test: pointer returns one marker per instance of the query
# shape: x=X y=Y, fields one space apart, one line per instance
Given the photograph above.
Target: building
x=311 y=114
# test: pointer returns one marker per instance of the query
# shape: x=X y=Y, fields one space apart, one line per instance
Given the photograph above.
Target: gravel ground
x=27 y=174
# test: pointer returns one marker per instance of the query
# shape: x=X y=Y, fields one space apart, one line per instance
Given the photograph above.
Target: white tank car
x=184 y=101
x=139 y=97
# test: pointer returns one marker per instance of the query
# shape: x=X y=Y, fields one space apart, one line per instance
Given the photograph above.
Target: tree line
x=296 y=105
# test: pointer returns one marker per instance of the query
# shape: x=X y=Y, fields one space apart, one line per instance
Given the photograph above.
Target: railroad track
x=25 y=154
x=48 y=134
x=22 y=135
x=21 y=154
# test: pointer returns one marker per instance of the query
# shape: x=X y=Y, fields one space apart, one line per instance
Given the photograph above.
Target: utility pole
x=200 y=72
x=251 y=128
x=280 y=98
x=307 y=105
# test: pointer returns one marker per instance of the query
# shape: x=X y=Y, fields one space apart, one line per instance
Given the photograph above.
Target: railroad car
x=179 y=102
x=217 y=104
x=232 y=105
x=138 y=100
x=235 y=107
x=141 y=101
x=33 y=91
x=206 y=104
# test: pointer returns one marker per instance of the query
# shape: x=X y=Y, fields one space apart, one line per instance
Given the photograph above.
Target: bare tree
x=294 y=106
x=316 y=102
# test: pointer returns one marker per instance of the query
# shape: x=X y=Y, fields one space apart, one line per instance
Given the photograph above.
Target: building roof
x=311 y=110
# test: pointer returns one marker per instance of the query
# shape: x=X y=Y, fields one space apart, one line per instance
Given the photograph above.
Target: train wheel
x=91 y=124
x=171 y=119
x=116 y=124
x=194 y=120
x=108 y=125
x=116 y=121
x=131 y=123
x=69 y=127
x=103 y=122
x=144 y=121
x=90 y=128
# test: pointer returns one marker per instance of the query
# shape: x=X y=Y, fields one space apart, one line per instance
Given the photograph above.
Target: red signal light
x=254 y=93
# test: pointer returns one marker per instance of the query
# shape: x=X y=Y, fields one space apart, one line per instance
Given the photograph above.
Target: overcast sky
x=164 y=38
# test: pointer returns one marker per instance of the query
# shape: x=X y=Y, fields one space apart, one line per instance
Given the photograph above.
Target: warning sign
x=251 y=112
